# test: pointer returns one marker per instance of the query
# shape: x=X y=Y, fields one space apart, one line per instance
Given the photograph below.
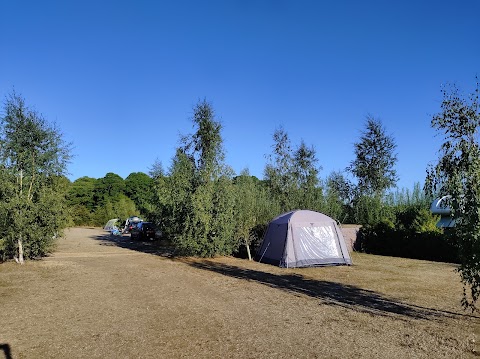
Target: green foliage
x=369 y=210
x=411 y=234
x=81 y=215
x=108 y=188
x=156 y=170
x=246 y=195
x=196 y=200
x=253 y=209
x=95 y=201
x=139 y=188
x=457 y=174
x=292 y=175
x=417 y=220
x=81 y=193
x=173 y=195
x=278 y=172
x=403 y=198
x=339 y=198
x=121 y=207
x=33 y=161
x=374 y=160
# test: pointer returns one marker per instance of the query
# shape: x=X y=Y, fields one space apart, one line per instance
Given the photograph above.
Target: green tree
x=278 y=171
x=305 y=172
x=33 y=158
x=246 y=208
x=81 y=215
x=375 y=159
x=457 y=174
x=108 y=188
x=139 y=188
x=208 y=229
x=173 y=196
x=292 y=175
x=120 y=207
x=338 y=197
x=156 y=170
x=195 y=200
x=81 y=192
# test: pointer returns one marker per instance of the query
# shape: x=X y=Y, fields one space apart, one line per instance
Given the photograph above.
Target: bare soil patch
x=101 y=296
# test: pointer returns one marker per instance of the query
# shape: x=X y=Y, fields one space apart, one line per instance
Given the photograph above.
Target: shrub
x=413 y=235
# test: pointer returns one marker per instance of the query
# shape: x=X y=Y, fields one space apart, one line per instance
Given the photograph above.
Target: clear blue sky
x=120 y=78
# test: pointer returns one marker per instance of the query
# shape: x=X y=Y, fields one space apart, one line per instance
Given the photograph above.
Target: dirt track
x=107 y=297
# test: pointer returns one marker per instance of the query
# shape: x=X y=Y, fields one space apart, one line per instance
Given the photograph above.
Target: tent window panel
x=316 y=242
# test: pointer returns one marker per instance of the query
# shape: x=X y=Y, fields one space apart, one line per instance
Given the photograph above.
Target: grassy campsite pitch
x=108 y=297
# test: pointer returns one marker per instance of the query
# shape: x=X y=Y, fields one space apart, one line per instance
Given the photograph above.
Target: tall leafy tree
x=33 y=159
x=375 y=159
x=292 y=174
x=247 y=195
x=173 y=196
x=457 y=174
x=305 y=172
x=278 y=171
x=197 y=197
x=156 y=170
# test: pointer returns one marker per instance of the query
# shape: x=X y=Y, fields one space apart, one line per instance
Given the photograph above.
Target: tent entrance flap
x=271 y=252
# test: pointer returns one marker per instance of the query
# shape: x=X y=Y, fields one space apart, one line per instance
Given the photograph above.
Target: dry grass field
x=99 y=296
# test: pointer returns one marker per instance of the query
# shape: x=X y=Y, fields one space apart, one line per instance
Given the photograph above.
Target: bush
x=371 y=210
x=414 y=235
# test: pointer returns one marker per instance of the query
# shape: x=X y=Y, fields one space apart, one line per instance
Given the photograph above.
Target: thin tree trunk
x=19 y=240
x=248 y=250
x=20 y=251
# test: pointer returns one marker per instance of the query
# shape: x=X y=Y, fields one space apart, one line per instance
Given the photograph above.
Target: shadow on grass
x=5 y=348
x=330 y=293
x=156 y=247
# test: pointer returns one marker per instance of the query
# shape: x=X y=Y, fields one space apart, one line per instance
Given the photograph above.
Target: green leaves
x=33 y=159
x=457 y=174
x=374 y=165
x=292 y=175
x=196 y=200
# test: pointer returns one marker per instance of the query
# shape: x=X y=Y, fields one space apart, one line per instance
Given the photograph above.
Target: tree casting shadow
x=331 y=293
x=156 y=247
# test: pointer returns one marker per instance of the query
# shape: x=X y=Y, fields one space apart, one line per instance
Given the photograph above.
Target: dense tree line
x=205 y=209
x=94 y=201
x=199 y=202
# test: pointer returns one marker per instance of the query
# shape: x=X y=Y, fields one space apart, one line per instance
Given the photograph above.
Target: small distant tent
x=111 y=225
x=440 y=207
x=303 y=238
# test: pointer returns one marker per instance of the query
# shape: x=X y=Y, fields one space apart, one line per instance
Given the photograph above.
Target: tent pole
x=268 y=245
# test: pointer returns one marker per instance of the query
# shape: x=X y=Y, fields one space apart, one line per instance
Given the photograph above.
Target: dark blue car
x=143 y=231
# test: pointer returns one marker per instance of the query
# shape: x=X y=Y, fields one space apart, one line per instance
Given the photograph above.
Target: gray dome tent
x=303 y=238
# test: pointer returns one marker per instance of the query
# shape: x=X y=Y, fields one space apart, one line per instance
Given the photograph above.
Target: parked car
x=143 y=230
x=131 y=223
x=129 y=227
